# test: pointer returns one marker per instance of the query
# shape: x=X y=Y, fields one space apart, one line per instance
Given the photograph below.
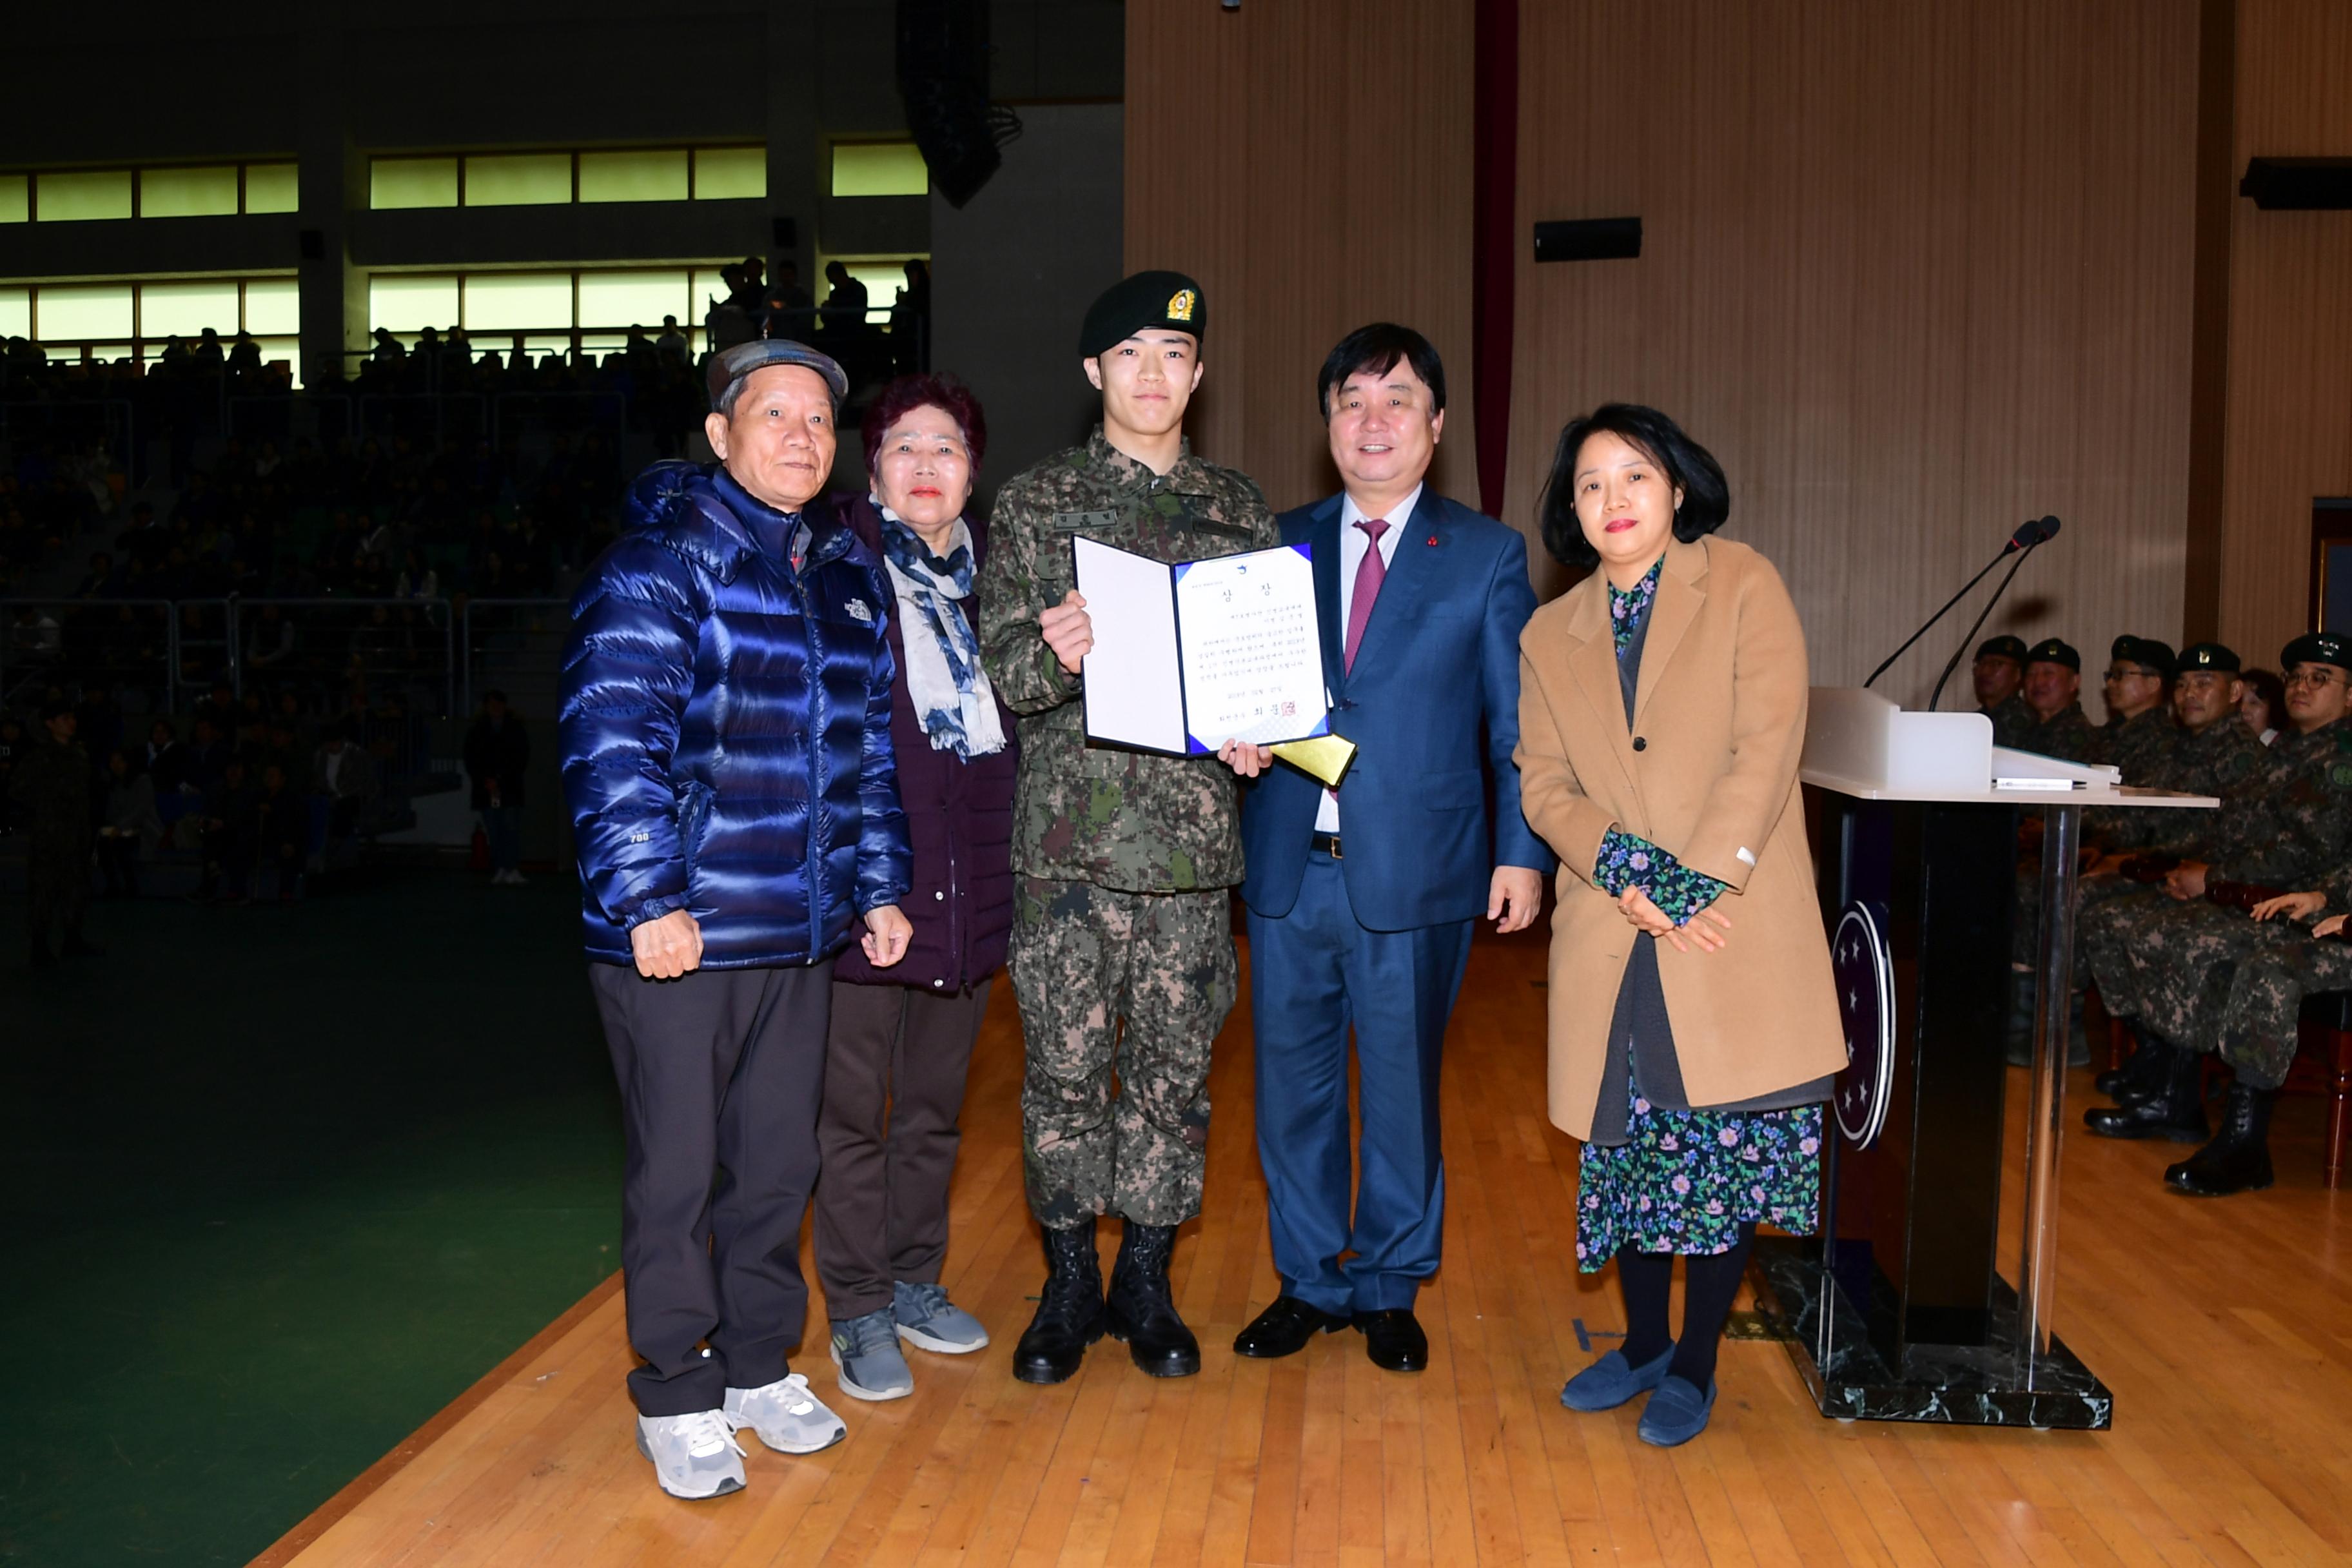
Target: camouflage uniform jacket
x=2067 y=735
x=2222 y=759
x=2012 y=720
x=2294 y=823
x=1126 y=820
x=2141 y=748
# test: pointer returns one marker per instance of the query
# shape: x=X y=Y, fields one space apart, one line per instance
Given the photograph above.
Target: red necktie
x=1370 y=573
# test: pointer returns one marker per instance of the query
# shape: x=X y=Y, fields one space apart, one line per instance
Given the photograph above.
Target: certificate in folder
x=1189 y=656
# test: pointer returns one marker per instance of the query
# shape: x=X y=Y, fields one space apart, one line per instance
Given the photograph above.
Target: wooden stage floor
x=2224 y=1329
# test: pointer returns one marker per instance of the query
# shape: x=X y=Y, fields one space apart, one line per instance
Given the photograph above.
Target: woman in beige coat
x=1693 y=1026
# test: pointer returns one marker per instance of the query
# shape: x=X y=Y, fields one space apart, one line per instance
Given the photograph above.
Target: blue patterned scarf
x=950 y=690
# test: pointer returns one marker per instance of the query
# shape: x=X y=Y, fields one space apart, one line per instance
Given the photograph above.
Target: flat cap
x=2318 y=647
x=1165 y=302
x=741 y=360
x=2005 y=645
x=2146 y=651
x=2054 y=650
x=2209 y=656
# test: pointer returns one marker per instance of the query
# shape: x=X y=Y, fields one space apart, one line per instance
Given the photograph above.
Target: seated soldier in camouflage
x=2211 y=754
x=2290 y=829
x=1998 y=673
x=2053 y=690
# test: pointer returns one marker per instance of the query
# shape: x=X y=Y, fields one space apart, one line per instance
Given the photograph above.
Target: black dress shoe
x=2176 y=1110
x=1285 y=1328
x=1069 y=1310
x=1394 y=1339
x=1140 y=1308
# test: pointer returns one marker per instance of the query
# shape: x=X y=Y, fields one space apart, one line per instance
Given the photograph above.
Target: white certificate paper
x=1189 y=656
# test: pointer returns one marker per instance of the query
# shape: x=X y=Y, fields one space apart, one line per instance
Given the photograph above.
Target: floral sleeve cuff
x=1627 y=861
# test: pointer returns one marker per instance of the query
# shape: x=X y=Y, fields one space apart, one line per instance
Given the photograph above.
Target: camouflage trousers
x=1085 y=961
x=2260 y=1017
x=2210 y=979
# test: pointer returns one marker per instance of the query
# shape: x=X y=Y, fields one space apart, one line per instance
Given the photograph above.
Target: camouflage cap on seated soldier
x=2319 y=647
x=2145 y=652
x=2207 y=655
x=2054 y=650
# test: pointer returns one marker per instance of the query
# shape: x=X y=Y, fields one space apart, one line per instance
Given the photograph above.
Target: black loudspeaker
x=787 y=233
x=1589 y=240
x=943 y=77
x=2298 y=184
x=314 y=245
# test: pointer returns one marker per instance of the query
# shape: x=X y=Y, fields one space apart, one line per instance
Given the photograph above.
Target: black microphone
x=2043 y=530
x=2030 y=532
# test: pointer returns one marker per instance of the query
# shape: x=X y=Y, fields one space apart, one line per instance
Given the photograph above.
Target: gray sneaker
x=787 y=1416
x=694 y=1455
x=868 y=1354
x=929 y=1320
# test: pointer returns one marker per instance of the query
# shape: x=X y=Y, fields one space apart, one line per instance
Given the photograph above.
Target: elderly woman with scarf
x=901 y=1037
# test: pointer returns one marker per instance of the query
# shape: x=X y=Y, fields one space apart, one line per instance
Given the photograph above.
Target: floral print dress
x=1686 y=1181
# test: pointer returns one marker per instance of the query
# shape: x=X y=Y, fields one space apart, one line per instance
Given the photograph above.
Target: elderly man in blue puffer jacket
x=726 y=760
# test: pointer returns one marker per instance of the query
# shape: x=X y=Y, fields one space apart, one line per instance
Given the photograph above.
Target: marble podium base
x=1965 y=1385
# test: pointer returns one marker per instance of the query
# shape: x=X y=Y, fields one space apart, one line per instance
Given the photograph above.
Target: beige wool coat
x=1719 y=713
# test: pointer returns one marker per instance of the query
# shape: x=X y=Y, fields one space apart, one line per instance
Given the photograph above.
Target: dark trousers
x=1313 y=973
x=721 y=1075
x=503 y=825
x=894 y=1077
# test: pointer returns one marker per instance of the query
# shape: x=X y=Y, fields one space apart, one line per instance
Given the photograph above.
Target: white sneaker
x=787 y=1416
x=694 y=1455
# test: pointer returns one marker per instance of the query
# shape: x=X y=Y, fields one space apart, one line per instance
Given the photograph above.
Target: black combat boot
x=1069 y=1310
x=1141 y=1311
x=2238 y=1159
x=2174 y=1110
x=2142 y=1073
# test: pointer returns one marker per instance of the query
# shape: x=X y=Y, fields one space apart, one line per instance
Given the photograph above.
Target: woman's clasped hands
x=1706 y=930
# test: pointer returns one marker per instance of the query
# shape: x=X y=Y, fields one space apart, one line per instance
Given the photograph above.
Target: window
x=69 y=198
x=725 y=174
x=127 y=320
x=885 y=278
x=634 y=299
x=187 y=193
x=656 y=176
x=272 y=188
x=552 y=311
x=517 y=301
x=68 y=195
x=528 y=179
x=404 y=303
x=509 y=180
x=412 y=182
x=879 y=169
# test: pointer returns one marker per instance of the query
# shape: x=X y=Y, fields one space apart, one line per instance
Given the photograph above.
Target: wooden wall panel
x=2289 y=419
x=1310 y=163
x=1914 y=272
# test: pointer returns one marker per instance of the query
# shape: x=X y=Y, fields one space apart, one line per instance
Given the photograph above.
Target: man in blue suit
x=1361 y=899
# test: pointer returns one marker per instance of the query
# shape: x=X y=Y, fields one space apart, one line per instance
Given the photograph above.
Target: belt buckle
x=1335 y=846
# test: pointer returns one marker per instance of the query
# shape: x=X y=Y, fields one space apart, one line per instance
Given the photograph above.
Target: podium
x=1898 y=1309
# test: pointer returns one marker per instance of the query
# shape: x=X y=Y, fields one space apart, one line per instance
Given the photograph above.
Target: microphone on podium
x=2030 y=537
x=2033 y=530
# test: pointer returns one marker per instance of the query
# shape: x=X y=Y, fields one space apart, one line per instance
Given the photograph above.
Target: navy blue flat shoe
x=1677 y=1413
x=1612 y=1380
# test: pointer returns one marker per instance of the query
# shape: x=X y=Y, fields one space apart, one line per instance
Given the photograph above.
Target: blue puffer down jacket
x=726 y=729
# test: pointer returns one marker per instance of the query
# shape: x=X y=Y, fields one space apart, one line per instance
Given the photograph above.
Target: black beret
x=2005 y=645
x=2155 y=655
x=2209 y=656
x=2318 y=647
x=1167 y=302
x=740 y=360
x=2052 y=650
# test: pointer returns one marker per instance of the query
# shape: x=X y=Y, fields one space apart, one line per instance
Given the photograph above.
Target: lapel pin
x=1433 y=539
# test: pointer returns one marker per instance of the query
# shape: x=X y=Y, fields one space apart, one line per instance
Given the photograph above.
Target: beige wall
x=1914 y=272
x=1308 y=160
x=2289 y=405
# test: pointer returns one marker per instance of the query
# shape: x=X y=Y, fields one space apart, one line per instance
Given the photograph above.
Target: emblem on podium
x=1865 y=987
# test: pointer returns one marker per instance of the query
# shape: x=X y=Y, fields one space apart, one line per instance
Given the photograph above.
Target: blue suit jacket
x=1435 y=695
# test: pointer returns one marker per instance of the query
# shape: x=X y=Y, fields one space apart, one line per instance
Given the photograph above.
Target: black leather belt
x=1326 y=842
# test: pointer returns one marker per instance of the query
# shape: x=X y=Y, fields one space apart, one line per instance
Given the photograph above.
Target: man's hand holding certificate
x=1219 y=656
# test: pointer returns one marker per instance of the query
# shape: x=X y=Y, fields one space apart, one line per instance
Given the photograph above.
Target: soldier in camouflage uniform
x=1998 y=673
x=2053 y=690
x=1122 y=951
x=53 y=785
x=2169 y=966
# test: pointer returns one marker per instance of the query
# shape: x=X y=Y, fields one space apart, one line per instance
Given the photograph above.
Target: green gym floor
x=276 y=1184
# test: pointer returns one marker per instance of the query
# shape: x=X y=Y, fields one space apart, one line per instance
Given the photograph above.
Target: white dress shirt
x=1352 y=541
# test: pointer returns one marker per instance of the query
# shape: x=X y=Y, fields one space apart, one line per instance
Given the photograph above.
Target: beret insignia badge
x=1181 y=304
